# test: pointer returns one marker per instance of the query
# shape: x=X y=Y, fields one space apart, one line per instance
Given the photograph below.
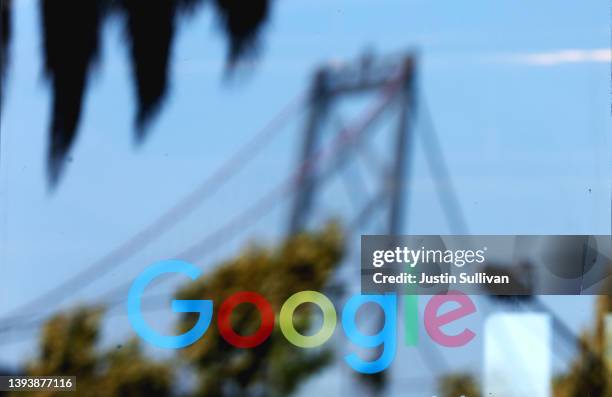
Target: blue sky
x=519 y=93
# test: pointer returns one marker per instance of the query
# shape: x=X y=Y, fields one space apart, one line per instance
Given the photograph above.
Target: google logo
x=386 y=337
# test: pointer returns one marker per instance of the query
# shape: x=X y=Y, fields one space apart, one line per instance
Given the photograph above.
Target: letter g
x=204 y=307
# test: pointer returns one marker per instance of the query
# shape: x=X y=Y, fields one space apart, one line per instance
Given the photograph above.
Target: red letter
x=225 y=326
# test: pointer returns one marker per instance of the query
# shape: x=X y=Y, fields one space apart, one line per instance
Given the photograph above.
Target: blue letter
x=204 y=307
x=385 y=337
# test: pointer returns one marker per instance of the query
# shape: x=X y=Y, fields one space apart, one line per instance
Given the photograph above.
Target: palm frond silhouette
x=72 y=34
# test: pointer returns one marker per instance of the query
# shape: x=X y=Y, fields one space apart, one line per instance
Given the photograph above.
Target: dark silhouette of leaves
x=242 y=21
x=5 y=39
x=151 y=28
x=71 y=40
x=71 y=36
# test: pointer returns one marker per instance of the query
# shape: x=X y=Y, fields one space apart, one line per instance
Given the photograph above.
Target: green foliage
x=131 y=374
x=69 y=341
x=304 y=262
x=589 y=374
x=68 y=347
x=458 y=385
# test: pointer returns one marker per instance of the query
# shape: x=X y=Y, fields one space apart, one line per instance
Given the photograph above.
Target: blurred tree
x=68 y=347
x=71 y=40
x=457 y=385
x=276 y=367
x=590 y=374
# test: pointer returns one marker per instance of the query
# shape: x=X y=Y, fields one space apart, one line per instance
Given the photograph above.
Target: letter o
x=329 y=319
x=225 y=325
